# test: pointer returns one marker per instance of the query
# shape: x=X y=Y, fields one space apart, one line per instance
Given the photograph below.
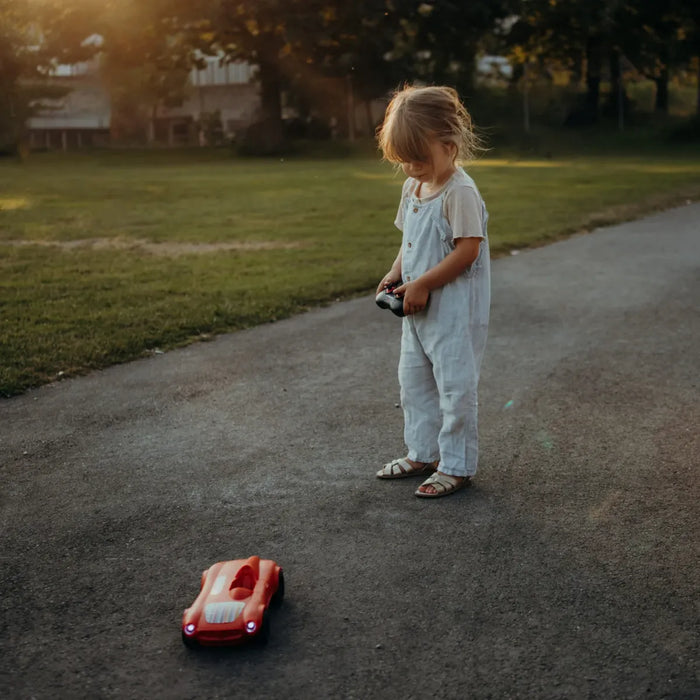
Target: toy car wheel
x=188 y=641
x=263 y=636
x=278 y=595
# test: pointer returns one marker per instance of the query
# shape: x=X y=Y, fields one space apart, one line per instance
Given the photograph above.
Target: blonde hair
x=416 y=116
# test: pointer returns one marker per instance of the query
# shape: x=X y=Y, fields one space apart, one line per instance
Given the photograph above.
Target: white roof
x=90 y=121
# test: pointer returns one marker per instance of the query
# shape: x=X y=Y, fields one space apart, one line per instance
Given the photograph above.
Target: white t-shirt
x=461 y=205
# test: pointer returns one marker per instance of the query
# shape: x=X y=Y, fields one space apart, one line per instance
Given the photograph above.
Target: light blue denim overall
x=442 y=346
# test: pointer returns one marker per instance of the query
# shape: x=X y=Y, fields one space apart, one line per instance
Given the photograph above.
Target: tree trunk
x=151 y=129
x=14 y=124
x=269 y=137
x=617 y=102
x=593 y=71
x=369 y=117
x=526 y=99
x=270 y=91
x=592 y=95
x=661 y=100
x=351 y=108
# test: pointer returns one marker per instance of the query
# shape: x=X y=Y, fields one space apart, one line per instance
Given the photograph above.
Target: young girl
x=444 y=269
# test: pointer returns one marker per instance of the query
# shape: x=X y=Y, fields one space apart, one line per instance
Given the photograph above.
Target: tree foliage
x=319 y=52
x=443 y=37
x=592 y=36
x=372 y=44
x=668 y=36
x=145 y=61
x=35 y=36
x=285 y=39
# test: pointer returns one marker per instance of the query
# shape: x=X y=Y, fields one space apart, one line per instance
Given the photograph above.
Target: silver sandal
x=401 y=468
x=444 y=485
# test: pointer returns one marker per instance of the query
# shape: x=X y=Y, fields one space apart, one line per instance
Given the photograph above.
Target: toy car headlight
x=189 y=628
x=250 y=627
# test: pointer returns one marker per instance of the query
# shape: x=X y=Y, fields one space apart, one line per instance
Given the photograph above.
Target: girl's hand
x=415 y=296
x=391 y=277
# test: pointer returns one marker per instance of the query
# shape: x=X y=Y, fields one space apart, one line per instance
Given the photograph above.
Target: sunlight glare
x=12 y=203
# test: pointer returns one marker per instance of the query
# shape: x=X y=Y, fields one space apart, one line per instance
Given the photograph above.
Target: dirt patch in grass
x=169 y=249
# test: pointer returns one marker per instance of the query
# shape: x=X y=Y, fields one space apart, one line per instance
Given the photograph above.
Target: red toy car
x=232 y=603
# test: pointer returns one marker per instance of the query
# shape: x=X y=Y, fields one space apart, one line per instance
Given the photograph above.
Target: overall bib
x=442 y=346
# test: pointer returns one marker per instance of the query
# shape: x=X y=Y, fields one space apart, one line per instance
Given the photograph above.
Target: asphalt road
x=569 y=570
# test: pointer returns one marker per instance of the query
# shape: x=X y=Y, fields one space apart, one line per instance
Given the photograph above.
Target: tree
x=281 y=37
x=358 y=54
x=145 y=62
x=584 y=35
x=689 y=40
x=35 y=36
x=670 y=37
x=443 y=37
x=373 y=43
x=691 y=45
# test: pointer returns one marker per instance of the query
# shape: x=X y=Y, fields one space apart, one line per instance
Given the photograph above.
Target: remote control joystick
x=386 y=299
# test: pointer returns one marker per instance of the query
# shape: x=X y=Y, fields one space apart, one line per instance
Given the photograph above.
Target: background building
x=79 y=119
x=218 y=101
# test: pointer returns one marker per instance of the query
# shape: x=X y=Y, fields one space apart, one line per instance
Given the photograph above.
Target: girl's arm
x=416 y=292
x=394 y=274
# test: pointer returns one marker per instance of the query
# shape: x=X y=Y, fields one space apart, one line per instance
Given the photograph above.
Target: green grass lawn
x=107 y=256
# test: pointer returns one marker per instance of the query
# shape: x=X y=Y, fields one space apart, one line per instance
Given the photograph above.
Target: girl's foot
x=440 y=484
x=401 y=468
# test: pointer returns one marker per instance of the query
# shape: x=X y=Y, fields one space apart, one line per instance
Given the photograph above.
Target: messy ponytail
x=418 y=115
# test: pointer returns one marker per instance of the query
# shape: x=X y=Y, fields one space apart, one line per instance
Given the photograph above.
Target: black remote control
x=386 y=299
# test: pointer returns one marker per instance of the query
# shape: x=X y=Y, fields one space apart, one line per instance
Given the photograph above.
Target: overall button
x=408 y=278
x=415 y=210
x=409 y=244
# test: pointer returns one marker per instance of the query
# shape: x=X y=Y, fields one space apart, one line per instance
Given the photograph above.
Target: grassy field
x=105 y=257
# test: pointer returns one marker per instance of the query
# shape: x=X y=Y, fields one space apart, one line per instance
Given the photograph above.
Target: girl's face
x=436 y=168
